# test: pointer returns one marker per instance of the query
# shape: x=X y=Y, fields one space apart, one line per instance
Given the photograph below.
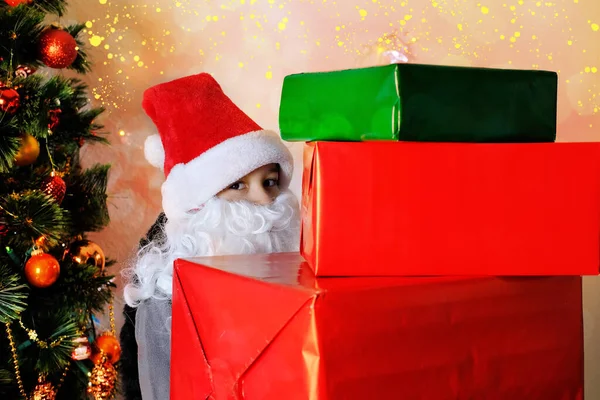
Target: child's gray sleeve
x=153 y=336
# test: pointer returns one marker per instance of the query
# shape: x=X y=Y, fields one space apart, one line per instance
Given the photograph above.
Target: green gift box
x=415 y=102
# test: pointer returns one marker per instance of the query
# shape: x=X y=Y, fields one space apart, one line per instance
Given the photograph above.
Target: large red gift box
x=264 y=328
x=387 y=208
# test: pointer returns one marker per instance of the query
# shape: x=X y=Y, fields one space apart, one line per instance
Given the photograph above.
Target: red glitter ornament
x=55 y=187
x=14 y=3
x=58 y=49
x=9 y=100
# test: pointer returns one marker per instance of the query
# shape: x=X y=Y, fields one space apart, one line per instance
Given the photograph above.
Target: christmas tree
x=52 y=279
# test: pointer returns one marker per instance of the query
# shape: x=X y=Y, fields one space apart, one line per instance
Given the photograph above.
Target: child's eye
x=237 y=186
x=271 y=183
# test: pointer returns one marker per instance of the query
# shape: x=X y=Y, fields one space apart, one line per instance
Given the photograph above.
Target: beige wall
x=251 y=45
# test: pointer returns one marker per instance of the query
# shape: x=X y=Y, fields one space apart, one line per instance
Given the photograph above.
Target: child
x=226 y=192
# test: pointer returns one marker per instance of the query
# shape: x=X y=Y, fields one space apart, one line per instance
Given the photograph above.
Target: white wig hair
x=220 y=227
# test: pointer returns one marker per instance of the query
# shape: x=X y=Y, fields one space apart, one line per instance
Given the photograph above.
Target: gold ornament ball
x=108 y=346
x=88 y=253
x=42 y=270
x=43 y=391
x=103 y=379
x=28 y=152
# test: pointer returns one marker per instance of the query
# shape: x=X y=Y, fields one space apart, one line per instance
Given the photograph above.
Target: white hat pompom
x=154 y=151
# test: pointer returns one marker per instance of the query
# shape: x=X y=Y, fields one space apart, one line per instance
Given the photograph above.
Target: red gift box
x=263 y=327
x=384 y=209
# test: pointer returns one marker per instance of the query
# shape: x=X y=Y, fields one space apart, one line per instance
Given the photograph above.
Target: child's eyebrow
x=274 y=169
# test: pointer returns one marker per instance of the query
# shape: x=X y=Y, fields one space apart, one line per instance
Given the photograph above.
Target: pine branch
x=87 y=198
x=9 y=146
x=77 y=120
x=12 y=295
x=57 y=334
x=40 y=98
x=76 y=383
x=32 y=214
x=56 y=358
x=32 y=109
x=5 y=377
x=56 y=7
x=81 y=63
x=70 y=97
x=20 y=30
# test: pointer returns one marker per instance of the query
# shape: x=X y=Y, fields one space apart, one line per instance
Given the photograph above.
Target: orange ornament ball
x=42 y=270
x=110 y=346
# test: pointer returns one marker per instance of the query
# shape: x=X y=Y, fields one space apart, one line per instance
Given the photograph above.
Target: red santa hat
x=205 y=142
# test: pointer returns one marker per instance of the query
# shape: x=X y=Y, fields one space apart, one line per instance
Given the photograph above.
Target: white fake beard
x=219 y=228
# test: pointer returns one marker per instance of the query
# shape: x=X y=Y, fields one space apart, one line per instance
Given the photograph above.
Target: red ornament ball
x=14 y=3
x=10 y=100
x=42 y=270
x=55 y=187
x=108 y=345
x=58 y=49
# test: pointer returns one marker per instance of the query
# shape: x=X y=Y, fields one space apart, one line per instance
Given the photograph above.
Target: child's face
x=260 y=186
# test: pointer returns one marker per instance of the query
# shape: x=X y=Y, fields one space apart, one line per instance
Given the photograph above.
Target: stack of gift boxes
x=444 y=236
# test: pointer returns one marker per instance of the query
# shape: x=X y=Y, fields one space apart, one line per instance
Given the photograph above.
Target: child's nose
x=259 y=195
